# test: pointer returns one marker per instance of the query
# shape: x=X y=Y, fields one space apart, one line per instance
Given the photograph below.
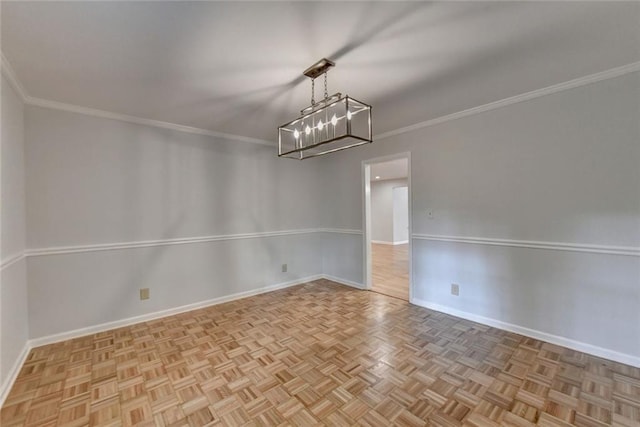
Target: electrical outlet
x=284 y=268
x=144 y=293
x=455 y=289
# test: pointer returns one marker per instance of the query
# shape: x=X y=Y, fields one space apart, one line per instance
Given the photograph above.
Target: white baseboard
x=76 y=333
x=50 y=339
x=604 y=353
x=344 y=281
x=554 y=339
x=13 y=373
x=90 y=330
x=380 y=242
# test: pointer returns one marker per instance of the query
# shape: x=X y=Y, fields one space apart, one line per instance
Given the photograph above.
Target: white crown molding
x=581 y=81
x=14 y=259
x=627 y=359
x=60 y=250
x=8 y=72
x=527 y=96
x=532 y=244
x=54 y=105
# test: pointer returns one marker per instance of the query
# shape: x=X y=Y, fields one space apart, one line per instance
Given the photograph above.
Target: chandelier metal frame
x=335 y=123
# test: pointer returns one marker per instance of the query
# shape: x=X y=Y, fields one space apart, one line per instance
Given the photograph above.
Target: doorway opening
x=387 y=237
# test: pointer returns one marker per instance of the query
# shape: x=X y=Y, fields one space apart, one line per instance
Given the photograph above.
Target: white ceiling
x=391 y=169
x=235 y=67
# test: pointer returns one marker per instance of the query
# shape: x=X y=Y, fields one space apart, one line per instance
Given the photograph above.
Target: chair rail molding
x=534 y=244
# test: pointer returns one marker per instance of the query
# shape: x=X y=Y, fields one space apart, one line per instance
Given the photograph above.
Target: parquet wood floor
x=390 y=270
x=318 y=354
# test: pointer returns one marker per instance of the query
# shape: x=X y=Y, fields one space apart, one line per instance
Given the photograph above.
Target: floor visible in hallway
x=318 y=354
x=390 y=270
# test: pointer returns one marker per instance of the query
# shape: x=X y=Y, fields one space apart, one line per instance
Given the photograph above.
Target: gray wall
x=560 y=168
x=382 y=208
x=95 y=181
x=13 y=278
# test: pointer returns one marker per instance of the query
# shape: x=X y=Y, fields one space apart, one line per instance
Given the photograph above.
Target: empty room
x=301 y=213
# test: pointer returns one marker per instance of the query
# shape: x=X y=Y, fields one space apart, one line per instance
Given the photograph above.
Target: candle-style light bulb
x=307 y=130
x=334 y=120
x=296 y=134
x=320 y=125
x=348 y=115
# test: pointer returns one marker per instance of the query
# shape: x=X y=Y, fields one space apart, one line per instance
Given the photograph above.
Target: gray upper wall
x=14 y=322
x=95 y=181
x=563 y=167
x=13 y=174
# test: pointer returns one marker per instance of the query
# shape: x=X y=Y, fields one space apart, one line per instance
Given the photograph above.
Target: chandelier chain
x=313 y=92
x=326 y=92
x=328 y=125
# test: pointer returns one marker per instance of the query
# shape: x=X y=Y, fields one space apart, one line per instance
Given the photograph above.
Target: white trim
x=344 y=281
x=54 y=105
x=8 y=72
x=581 y=81
x=627 y=359
x=163 y=242
x=339 y=231
x=381 y=242
x=50 y=339
x=12 y=260
x=367 y=264
x=13 y=373
x=37 y=342
x=366 y=216
x=532 y=244
x=60 y=250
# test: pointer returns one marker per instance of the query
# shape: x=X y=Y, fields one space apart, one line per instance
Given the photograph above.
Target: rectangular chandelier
x=335 y=123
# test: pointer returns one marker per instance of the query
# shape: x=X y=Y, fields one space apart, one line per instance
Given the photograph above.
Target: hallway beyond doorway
x=390 y=270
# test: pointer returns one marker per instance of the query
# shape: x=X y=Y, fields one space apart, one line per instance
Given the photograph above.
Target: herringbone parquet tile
x=318 y=354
